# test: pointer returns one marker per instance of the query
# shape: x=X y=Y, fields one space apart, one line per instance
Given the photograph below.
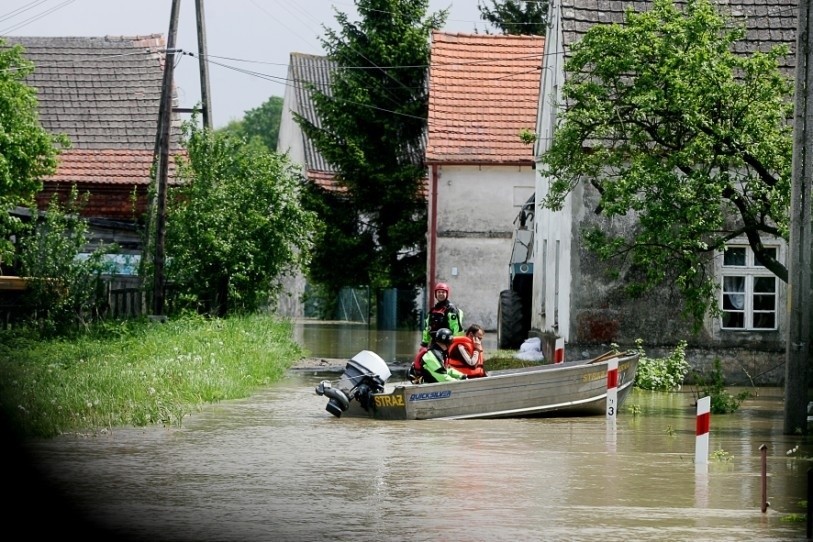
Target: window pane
x=734 y=256
x=733 y=302
x=733 y=320
x=764 y=320
x=733 y=284
x=770 y=251
x=765 y=284
x=764 y=303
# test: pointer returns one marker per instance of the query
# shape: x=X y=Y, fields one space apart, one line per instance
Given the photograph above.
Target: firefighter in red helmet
x=443 y=315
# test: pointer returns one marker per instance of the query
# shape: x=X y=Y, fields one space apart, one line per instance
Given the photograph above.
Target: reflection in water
x=279 y=467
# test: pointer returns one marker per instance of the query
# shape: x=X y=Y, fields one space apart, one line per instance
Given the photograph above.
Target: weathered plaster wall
x=602 y=312
x=476 y=211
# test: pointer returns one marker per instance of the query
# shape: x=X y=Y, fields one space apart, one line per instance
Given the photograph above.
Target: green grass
x=506 y=359
x=138 y=373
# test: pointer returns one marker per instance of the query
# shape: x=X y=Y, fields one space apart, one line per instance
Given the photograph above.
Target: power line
x=22 y=9
x=34 y=18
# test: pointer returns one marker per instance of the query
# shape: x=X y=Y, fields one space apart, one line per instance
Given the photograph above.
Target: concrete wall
x=475 y=221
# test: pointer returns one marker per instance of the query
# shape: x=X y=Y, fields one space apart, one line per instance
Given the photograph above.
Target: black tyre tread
x=510 y=333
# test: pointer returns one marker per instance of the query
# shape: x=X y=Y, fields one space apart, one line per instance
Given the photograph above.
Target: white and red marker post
x=559 y=351
x=701 y=449
x=612 y=388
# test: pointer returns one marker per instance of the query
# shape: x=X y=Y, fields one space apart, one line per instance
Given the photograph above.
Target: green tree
x=669 y=124
x=344 y=248
x=372 y=126
x=261 y=123
x=235 y=223
x=27 y=151
x=517 y=17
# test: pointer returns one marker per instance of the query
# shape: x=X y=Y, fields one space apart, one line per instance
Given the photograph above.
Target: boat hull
x=577 y=388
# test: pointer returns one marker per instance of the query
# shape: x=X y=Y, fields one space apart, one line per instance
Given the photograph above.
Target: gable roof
x=104 y=93
x=769 y=22
x=305 y=70
x=483 y=90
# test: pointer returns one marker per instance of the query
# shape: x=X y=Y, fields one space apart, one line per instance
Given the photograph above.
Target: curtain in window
x=734 y=290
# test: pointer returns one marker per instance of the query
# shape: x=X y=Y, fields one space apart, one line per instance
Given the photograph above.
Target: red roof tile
x=106 y=166
x=483 y=90
x=324 y=179
x=327 y=181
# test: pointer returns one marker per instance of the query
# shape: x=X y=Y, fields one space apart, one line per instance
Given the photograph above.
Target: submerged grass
x=138 y=373
x=506 y=359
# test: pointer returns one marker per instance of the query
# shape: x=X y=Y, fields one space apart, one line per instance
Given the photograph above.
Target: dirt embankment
x=321 y=364
x=330 y=365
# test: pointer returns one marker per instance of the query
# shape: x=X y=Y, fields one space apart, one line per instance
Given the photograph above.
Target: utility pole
x=203 y=62
x=162 y=145
x=162 y=140
x=800 y=295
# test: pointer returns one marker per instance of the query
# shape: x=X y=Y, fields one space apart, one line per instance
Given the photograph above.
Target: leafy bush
x=661 y=374
x=713 y=386
x=65 y=287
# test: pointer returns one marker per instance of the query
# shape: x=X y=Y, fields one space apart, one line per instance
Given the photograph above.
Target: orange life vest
x=456 y=360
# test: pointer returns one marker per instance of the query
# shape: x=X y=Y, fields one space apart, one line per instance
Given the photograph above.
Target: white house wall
x=290 y=138
x=554 y=230
x=475 y=220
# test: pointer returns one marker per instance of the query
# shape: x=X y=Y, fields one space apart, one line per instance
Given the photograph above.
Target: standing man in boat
x=432 y=365
x=466 y=353
x=443 y=315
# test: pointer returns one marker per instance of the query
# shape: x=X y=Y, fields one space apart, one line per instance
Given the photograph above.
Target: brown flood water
x=278 y=467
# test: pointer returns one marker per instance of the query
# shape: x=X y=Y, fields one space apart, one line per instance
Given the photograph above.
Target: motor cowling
x=365 y=374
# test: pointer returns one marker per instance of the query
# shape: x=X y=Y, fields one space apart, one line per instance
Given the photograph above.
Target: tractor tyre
x=510 y=334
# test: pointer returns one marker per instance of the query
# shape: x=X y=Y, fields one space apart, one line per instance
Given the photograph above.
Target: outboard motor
x=365 y=374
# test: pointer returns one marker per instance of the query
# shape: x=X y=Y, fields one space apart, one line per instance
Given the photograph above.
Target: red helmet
x=443 y=286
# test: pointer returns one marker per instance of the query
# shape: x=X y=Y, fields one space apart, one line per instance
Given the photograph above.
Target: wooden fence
x=125 y=303
x=125 y=298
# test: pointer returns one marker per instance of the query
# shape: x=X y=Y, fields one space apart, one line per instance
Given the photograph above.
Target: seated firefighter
x=466 y=353
x=430 y=363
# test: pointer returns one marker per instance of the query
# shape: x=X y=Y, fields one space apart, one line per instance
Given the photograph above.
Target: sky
x=249 y=42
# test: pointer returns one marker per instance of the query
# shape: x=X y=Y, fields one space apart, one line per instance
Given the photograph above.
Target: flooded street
x=344 y=340
x=279 y=467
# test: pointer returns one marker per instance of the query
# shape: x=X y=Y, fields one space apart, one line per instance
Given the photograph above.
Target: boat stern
x=364 y=375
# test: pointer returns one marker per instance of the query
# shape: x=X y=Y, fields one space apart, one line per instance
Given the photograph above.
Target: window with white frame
x=749 y=290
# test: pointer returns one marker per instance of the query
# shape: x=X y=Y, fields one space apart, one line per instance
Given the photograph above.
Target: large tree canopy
x=518 y=17
x=669 y=123
x=372 y=129
x=27 y=151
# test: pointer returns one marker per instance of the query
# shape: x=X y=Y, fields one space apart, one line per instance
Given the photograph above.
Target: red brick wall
x=113 y=201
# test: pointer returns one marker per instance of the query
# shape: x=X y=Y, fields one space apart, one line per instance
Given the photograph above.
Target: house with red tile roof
x=483 y=92
x=104 y=93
